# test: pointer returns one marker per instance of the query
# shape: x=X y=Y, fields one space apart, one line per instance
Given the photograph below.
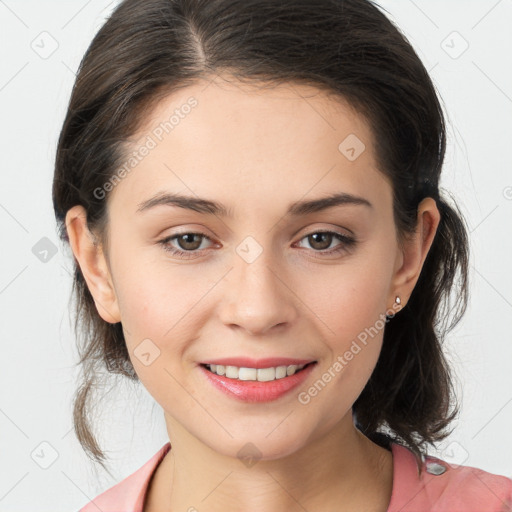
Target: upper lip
x=247 y=362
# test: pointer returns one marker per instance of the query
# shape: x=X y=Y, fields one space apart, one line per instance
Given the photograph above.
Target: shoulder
x=445 y=487
x=128 y=495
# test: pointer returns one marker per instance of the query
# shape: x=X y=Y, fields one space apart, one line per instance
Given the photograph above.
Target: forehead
x=282 y=142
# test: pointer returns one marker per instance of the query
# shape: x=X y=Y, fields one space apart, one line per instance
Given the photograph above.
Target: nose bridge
x=257 y=298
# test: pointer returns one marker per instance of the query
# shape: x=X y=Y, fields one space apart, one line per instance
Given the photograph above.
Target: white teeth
x=232 y=372
x=259 y=374
x=264 y=374
x=246 y=373
x=280 y=372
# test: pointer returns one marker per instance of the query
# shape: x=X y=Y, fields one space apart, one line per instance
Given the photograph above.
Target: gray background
x=42 y=466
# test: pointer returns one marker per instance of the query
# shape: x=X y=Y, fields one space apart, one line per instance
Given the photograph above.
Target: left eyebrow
x=341 y=199
x=214 y=208
x=188 y=202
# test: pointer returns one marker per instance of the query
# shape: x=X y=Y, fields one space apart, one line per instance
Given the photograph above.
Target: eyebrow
x=214 y=208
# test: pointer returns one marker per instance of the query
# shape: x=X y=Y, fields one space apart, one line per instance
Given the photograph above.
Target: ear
x=412 y=255
x=92 y=261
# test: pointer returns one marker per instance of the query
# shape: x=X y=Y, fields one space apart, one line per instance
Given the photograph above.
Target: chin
x=259 y=447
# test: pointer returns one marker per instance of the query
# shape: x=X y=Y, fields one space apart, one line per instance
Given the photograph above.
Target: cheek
x=154 y=294
x=157 y=321
x=351 y=305
x=353 y=340
x=349 y=300
x=162 y=310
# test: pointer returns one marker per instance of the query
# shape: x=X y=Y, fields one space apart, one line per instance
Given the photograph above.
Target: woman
x=251 y=193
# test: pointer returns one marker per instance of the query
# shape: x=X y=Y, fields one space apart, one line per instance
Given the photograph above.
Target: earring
x=397 y=301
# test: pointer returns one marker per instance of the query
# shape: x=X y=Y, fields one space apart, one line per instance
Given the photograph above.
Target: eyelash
x=347 y=243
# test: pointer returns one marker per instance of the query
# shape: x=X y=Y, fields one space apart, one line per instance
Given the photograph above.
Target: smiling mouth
x=256 y=374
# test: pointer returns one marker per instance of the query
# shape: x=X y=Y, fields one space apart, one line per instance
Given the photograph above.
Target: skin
x=256 y=151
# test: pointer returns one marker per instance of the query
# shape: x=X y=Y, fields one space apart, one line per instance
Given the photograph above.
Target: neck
x=340 y=471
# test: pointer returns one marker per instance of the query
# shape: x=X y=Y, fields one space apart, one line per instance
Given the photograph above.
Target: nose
x=256 y=297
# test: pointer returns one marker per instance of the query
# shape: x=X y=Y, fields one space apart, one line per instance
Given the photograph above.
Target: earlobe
x=415 y=250
x=92 y=261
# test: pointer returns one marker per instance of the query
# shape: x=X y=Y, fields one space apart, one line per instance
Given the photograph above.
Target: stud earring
x=397 y=301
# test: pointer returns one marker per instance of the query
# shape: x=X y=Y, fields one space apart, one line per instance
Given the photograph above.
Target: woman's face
x=254 y=283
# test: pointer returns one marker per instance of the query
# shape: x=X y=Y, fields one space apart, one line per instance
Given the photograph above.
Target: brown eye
x=320 y=241
x=184 y=245
x=187 y=243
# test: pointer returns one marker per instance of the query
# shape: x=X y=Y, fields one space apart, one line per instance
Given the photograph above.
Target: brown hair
x=150 y=48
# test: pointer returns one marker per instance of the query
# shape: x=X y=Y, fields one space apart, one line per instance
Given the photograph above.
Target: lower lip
x=255 y=391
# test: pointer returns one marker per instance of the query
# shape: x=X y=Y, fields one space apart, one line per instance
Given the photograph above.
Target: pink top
x=443 y=487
